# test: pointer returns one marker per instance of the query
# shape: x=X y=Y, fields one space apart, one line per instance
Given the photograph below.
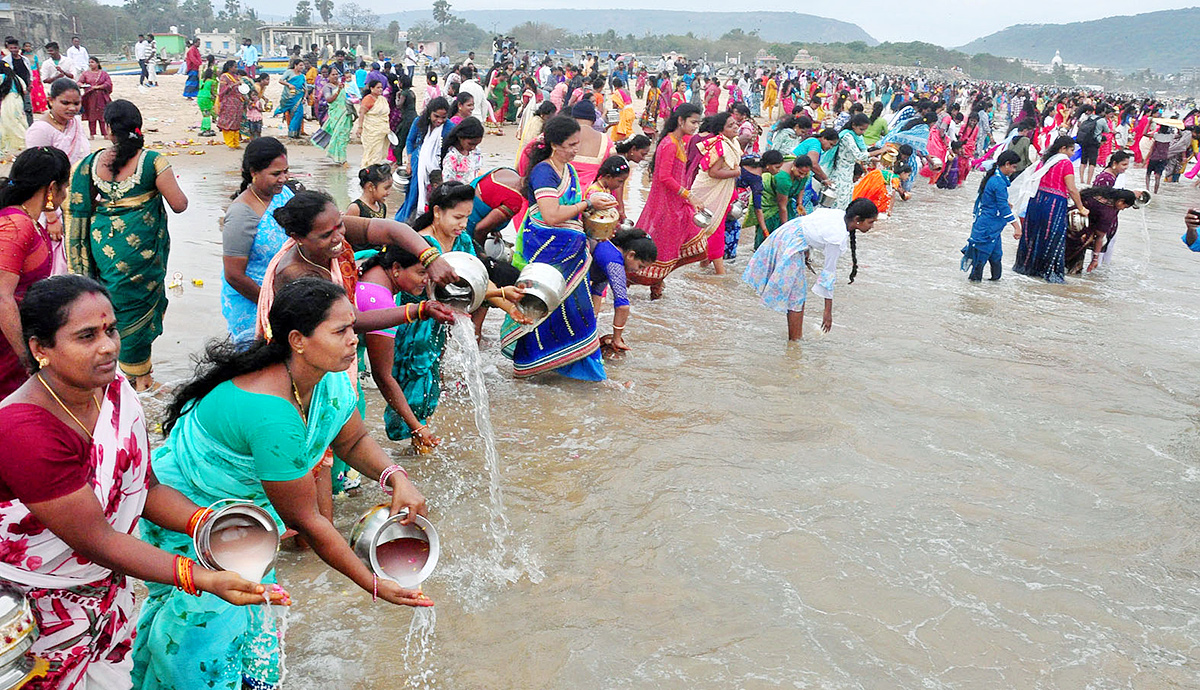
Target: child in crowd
x=748 y=190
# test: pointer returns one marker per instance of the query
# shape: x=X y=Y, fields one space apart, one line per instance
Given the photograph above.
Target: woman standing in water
x=1043 y=241
x=36 y=184
x=720 y=158
x=388 y=277
x=252 y=425
x=117 y=233
x=552 y=233
x=992 y=213
x=250 y=236
x=778 y=269
x=627 y=252
x=851 y=149
x=418 y=346
x=75 y=482
x=667 y=215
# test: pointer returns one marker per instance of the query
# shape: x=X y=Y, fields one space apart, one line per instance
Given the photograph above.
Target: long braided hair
x=859 y=209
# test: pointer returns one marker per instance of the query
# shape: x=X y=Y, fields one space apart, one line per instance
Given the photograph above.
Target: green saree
x=117 y=234
x=417 y=366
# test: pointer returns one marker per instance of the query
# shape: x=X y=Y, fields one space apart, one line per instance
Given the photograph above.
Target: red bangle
x=421 y=310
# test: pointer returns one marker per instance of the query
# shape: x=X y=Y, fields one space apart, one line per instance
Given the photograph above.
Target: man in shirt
x=56 y=65
x=20 y=64
x=1020 y=146
x=339 y=62
x=249 y=57
x=141 y=53
x=410 y=60
x=78 y=55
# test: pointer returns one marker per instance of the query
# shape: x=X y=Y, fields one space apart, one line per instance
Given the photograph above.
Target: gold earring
x=43 y=362
x=49 y=206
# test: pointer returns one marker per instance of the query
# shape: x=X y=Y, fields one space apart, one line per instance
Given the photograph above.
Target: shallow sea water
x=960 y=486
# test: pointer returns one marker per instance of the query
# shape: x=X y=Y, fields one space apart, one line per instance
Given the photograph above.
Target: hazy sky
x=943 y=22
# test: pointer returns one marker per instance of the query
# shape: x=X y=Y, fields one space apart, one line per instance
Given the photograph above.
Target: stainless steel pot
x=737 y=209
x=545 y=289
x=18 y=631
x=626 y=224
x=1076 y=222
x=238 y=536
x=468 y=292
x=702 y=218
x=399 y=178
x=374 y=540
x=828 y=198
x=496 y=248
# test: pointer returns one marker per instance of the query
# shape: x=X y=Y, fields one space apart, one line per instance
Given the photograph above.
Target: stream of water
x=960 y=486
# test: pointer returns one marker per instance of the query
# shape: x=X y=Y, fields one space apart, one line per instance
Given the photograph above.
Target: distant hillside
x=782 y=27
x=1162 y=41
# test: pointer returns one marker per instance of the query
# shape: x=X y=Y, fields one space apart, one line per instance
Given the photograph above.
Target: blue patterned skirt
x=1042 y=251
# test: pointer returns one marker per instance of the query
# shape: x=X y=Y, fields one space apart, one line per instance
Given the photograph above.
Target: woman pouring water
x=552 y=232
x=75 y=480
x=416 y=369
x=253 y=425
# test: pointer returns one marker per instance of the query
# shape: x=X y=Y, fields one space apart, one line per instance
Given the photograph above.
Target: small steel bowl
x=238 y=536
x=626 y=224
x=376 y=529
x=545 y=289
x=467 y=293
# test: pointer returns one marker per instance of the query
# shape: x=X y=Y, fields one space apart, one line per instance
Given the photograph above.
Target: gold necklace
x=67 y=409
x=302 y=256
x=295 y=392
x=254 y=191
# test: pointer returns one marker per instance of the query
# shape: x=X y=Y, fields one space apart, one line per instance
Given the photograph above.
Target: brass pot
x=601 y=225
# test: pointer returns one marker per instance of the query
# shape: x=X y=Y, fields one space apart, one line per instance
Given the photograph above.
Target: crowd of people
x=314 y=295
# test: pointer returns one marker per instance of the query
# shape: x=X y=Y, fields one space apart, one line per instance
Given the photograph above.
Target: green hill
x=1162 y=41
x=771 y=26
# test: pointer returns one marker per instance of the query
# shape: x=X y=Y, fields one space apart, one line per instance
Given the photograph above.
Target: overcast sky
x=943 y=22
